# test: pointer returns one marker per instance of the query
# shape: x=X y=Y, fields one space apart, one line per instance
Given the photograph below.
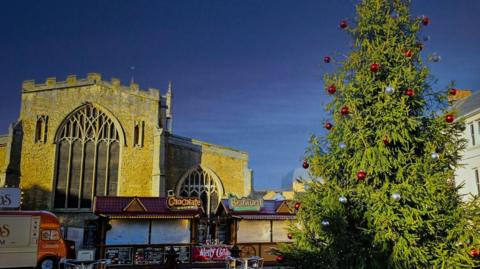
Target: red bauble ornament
x=328 y=126
x=374 y=67
x=474 y=252
x=410 y=92
x=331 y=89
x=425 y=20
x=305 y=164
x=290 y=236
x=408 y=53
x=449 y=118
x=344 y=110
x=297 y=205
x=361 y=175
x=327 y=59
x=280 y=259
x=343 y=24
x=386 y=141
x=453 y=92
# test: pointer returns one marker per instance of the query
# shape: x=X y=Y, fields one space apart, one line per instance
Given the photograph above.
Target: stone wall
x=56 y=100
x=3 y=155
x=230 y=165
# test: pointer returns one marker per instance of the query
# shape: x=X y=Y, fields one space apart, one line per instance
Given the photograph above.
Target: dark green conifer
x=388 y=198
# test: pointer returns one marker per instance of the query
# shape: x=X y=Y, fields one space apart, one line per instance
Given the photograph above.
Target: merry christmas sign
x=213 y=253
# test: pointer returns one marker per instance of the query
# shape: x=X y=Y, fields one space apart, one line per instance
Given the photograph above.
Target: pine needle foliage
x=395 y=139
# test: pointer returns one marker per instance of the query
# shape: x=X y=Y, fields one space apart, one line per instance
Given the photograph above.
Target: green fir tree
x=388 y=198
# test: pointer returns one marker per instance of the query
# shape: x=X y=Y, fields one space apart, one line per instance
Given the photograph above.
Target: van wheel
x=48 y=263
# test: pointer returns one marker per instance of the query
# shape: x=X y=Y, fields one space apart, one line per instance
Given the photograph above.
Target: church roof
x=3 y=139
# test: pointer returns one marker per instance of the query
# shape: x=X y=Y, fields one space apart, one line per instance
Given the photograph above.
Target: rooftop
x=469 y=105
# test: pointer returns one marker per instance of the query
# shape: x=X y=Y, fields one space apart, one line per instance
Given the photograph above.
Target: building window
x=204 y=185
x=472 y=131
x=477 y=179
x=478 y=128
x=41 y=128
x=88 y=151
x=138 y=133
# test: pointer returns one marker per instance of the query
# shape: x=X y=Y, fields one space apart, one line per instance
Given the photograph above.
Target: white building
x=469 y=173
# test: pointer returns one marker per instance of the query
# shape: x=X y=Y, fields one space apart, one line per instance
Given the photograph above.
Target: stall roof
x=140 y=208
x=271 y=210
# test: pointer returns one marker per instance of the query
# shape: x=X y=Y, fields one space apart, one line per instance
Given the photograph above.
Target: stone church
x=81 y=138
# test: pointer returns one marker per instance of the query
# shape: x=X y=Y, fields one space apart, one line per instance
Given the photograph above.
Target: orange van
x=31 y=239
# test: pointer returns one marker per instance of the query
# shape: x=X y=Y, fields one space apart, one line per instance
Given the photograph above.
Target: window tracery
x=88 y=151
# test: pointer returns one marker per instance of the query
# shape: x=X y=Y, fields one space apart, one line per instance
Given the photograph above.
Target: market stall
x=258 y=225
x=141 y=230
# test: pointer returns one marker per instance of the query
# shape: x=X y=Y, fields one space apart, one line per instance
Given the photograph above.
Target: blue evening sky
x=246 y=73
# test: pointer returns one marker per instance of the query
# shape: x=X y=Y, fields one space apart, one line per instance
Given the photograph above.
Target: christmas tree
x=388 y=197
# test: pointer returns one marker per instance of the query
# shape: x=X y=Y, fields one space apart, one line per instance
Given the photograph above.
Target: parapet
x=72 y=81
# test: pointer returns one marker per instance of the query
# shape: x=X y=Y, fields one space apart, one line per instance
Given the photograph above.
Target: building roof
x=3 y=139
x=140 y=208
x=468 y=105
x=271 y=210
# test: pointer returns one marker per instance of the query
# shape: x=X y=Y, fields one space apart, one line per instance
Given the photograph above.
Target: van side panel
x=19 y=236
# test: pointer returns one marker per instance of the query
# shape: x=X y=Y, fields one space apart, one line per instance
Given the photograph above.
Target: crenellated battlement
x=72 y=81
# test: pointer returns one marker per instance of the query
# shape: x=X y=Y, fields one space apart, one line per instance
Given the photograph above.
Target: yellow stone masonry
x=56 y=100
x=231 y=166
x=148 y=170
x=3 y=153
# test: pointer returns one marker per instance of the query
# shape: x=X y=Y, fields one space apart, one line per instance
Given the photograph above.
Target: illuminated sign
x=206 y=254
x=183 y=203
x=10 y=198
x=245 y=204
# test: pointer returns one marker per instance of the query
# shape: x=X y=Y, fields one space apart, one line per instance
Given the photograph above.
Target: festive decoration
x=361 y=175
x=280 y=259
x=452 y=91
x=343 y=24
x=325 y=223
x=408 y=53
x=297 y=205
x=327 y=59
x=344 y=110
x=396 y=196
x=331 y=89
x=403 y=201
x=389 y=90
x=305 y=164
x=410 y=92
x=474 y=252
x=435 y=155
x=290 y=236
x=425 y=20
x=328 y=126
x=434 y=57
x=342 y=145
x=449 y=118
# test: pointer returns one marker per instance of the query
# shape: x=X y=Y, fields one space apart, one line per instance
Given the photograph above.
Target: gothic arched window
x=204 y=185
x=88 y=152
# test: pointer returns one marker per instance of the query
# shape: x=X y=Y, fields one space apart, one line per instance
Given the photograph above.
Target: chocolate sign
x=183 y=203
